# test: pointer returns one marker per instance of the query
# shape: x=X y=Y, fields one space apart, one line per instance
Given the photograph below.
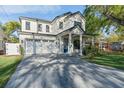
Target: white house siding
x=55 y=25
x=67 y=23
x=44 y=27
x=33 y=26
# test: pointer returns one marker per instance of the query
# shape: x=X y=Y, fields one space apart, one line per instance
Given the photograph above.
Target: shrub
x=91 y=51
x=21 y=50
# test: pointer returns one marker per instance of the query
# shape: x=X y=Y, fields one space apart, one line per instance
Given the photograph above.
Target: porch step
x=67 y=55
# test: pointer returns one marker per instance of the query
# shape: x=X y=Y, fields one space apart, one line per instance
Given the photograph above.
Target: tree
x=114 y=13
x=105 y=19
x=108 y=16
x=11 y=26
x=112 y=38
x=8 y=28
x=93 y=24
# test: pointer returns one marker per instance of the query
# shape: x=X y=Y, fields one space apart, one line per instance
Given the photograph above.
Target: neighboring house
x=3 y=38
x=38 y=36
x=117 y=46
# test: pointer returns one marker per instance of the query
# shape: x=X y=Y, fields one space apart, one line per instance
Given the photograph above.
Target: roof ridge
x=34 y=18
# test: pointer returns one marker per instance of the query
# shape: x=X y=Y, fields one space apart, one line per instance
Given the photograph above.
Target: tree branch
x=114 y=19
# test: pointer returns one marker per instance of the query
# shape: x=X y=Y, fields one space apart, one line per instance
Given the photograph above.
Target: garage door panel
x=38 y=46
x=29 y=47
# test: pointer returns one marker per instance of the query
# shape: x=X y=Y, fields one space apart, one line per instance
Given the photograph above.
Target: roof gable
x=65 y=14
x=73 y=14
x=78 y=30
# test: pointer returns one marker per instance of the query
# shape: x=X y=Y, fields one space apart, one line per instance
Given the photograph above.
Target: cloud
x=17 y=9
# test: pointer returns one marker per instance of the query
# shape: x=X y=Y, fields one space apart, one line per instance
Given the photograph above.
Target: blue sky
x=13 y=12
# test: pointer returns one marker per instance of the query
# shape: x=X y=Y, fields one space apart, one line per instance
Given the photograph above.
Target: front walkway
x=61 y=71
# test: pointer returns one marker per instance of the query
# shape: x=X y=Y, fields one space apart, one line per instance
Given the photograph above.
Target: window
x=47 y=28
x=39 y=27
x=60 y=25
x=27 y=25
x=77 y=23
x=45 y=40
x=51 y=41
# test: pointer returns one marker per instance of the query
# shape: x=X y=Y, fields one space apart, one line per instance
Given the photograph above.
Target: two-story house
x=61 y=35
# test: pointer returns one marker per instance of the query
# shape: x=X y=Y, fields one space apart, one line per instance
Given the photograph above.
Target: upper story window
x=39 y=27
x=77 y=23
x=27 y=25
x=60 y=25
x=47 y=28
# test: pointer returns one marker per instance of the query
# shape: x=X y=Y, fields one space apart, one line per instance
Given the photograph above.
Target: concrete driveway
x=52 y=70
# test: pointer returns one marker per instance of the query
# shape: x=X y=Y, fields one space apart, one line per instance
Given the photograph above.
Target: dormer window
x=47 y=28
x=27 y=25
x=60 y=25
x=39 y=27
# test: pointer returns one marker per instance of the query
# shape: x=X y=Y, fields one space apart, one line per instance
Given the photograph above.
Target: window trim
x=60 y=25
x=39 y=28
x=47 y=28
x=27 y=25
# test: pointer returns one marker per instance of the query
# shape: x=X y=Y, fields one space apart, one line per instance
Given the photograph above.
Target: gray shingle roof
x=64 y=14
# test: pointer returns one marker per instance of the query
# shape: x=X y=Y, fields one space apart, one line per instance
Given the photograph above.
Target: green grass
x=112 y=60
x=8 y=65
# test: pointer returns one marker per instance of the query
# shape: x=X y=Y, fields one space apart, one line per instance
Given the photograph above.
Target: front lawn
x=112 y=60
x=8 y=65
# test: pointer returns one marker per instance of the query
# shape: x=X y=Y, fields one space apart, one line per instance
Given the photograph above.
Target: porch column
x=81 y=45
x=70 y=46
x=60 y=44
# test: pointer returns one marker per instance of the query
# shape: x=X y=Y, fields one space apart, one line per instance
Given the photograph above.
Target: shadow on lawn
x=7 y=71
x=65 y=72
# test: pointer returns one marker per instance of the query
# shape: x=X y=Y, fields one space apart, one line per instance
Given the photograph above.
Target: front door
x=65 y=45
x=76 y=46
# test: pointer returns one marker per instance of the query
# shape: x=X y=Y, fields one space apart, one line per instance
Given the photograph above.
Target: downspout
x=37 y=25
x=34 y=44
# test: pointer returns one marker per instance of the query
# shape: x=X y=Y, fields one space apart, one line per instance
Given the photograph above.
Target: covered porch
x=71 y=41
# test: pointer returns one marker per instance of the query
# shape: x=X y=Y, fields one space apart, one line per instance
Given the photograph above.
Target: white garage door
x=48 y=46
x=39 y=47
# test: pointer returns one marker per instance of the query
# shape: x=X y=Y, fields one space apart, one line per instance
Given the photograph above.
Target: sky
x=13 y=12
